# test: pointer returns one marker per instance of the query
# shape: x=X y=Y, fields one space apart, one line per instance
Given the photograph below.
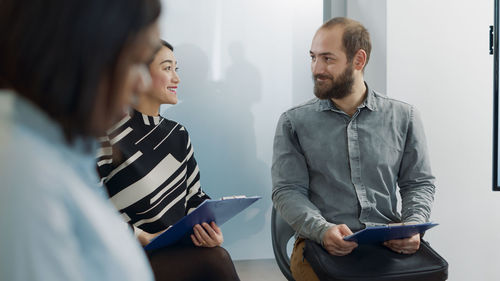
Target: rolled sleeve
x=290 y=180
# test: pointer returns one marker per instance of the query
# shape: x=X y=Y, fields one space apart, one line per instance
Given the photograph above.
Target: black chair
x=281 y=233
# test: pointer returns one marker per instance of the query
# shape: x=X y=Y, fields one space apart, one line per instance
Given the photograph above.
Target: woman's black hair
x=166 y=44
x=163 y=43
x=56 y=52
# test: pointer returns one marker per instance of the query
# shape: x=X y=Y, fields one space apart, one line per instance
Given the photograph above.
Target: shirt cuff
x=321 y=233
x=415 y=218
x=137 y=231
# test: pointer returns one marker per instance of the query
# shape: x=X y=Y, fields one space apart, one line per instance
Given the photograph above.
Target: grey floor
x=258 y=270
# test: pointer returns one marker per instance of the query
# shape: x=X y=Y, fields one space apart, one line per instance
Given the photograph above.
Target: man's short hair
x=355 y=36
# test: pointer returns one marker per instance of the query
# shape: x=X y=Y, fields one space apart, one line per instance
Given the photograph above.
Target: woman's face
x=164 y=76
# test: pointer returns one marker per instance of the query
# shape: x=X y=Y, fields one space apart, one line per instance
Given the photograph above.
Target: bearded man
x=340 y=158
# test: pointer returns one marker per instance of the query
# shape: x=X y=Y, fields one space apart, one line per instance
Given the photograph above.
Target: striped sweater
x=148 y=168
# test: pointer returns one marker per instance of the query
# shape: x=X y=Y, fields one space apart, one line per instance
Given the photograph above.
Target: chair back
x=281 y=233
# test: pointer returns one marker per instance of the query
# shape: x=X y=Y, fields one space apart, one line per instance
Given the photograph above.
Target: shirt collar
x=369 y=102
x=326 y=105
x=145 y=119
x=19 y=110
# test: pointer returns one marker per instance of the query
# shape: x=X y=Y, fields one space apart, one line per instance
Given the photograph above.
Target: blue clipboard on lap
x=218 y=211
x=378 y=234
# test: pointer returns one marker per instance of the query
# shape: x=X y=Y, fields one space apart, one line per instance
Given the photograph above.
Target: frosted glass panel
x=242 y=63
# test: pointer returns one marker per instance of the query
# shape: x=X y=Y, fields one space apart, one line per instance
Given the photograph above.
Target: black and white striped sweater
x=148 y=168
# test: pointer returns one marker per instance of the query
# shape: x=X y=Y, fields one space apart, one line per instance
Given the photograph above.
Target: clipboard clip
x=233 y=197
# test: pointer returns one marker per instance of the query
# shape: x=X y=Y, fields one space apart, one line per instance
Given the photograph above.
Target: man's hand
x=334 y=243
x=207 y=236
x=404 y=246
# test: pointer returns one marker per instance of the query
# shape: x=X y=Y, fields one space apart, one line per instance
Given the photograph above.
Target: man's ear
x=359 y=59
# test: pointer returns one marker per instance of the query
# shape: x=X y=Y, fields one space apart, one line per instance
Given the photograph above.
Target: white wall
x=242 y=63
x=373 y=14
x=437 y=59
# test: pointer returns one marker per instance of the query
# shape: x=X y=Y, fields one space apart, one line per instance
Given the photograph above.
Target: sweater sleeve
x=195 y=195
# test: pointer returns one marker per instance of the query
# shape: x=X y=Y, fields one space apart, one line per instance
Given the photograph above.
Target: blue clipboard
x=218 y=211
x=378 y=234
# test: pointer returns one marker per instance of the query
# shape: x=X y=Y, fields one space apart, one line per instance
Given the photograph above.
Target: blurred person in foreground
x=68 y=68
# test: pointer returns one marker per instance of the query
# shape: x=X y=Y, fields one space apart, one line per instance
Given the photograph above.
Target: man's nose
x=317 y=67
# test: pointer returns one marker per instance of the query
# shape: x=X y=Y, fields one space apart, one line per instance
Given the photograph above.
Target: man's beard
x=338 y=88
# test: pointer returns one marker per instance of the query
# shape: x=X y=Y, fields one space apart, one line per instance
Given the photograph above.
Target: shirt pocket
x=382 y=149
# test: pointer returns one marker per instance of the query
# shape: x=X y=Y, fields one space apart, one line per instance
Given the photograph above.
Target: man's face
x=332 y=73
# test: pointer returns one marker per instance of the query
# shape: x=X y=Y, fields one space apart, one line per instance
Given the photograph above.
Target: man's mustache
x=322 y=76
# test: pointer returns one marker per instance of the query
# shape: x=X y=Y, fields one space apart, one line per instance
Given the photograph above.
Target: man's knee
x=299 y=266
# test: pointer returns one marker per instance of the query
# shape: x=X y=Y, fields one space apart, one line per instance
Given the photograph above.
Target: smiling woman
x=147 y=165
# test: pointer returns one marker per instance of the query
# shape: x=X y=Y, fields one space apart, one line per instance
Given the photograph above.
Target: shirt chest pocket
x=382 y=149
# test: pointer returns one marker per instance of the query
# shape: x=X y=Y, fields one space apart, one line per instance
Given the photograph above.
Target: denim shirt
x=55 y=224
x=329 y=168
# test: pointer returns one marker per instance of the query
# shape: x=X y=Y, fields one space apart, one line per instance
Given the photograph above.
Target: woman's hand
x=207 y=236
x=146 y=237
